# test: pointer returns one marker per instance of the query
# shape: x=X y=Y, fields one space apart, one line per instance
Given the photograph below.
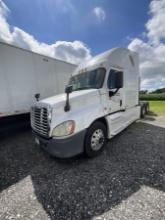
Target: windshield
x=88 y=80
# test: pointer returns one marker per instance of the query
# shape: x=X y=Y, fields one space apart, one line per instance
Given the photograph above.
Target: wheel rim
x=97 y=140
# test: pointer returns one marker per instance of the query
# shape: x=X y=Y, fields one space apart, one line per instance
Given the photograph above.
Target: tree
x=157 y=91
x=143 y=91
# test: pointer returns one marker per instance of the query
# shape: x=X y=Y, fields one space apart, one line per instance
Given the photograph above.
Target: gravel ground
x=127 y=181
x=157 y=120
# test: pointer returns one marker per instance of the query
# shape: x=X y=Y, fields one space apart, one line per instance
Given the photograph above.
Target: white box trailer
x=104 y=100
x=24 y=73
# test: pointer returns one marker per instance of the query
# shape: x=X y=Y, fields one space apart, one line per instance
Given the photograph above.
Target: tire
x=143 y=111
x=95 y=139
x=147 y=108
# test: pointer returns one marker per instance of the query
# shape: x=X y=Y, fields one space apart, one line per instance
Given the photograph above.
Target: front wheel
x=95 y=139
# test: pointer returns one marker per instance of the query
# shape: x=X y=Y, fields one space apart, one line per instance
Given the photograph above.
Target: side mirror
x=68 y=89
x=37 y=96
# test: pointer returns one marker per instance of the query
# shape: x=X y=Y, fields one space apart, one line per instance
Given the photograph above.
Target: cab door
x=115 y=86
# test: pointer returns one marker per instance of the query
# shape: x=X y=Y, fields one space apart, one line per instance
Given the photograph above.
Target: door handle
x=121 y=102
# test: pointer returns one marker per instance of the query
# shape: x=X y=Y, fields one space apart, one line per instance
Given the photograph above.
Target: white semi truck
x=102 y=98
x=23 y=74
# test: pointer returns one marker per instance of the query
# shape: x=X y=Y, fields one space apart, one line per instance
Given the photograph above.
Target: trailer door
x=19 y=78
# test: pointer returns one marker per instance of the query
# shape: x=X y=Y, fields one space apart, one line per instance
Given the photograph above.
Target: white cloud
x=4 y=26
x=65 y=6
x=152 y=52
x=74 y=52
x=99 y=13
x=155 y=26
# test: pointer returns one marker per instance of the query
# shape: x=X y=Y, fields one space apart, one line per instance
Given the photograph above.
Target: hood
x=83 y=103
x=60 y=99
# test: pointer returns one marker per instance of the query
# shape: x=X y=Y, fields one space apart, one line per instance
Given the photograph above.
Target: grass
x=157 y=107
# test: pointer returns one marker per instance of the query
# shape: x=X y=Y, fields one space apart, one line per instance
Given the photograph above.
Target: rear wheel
x=95 y=139
x=147 y=108
x=143 y=111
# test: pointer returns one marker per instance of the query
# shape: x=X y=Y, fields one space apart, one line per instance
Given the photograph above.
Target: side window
x=115 y=79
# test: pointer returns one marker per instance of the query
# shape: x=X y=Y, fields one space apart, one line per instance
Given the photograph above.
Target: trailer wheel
x=143 y=111
x=95 y=139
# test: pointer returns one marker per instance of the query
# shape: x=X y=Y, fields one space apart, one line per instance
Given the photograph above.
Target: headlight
x=64 y=129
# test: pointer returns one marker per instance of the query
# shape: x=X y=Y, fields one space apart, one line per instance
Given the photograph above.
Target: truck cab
x=101 y=99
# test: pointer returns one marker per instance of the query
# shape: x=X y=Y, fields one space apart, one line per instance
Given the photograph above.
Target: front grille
x=39 y=120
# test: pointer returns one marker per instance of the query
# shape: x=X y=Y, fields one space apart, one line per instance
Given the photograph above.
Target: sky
x=76 y=30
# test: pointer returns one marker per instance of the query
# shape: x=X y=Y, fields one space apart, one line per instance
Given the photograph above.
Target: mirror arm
x=113 y=93
x=68 y=90
x=67 y=105
x=116 y=91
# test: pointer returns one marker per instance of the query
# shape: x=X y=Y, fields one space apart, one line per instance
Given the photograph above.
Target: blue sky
x=76 y=30
x=50 y=20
